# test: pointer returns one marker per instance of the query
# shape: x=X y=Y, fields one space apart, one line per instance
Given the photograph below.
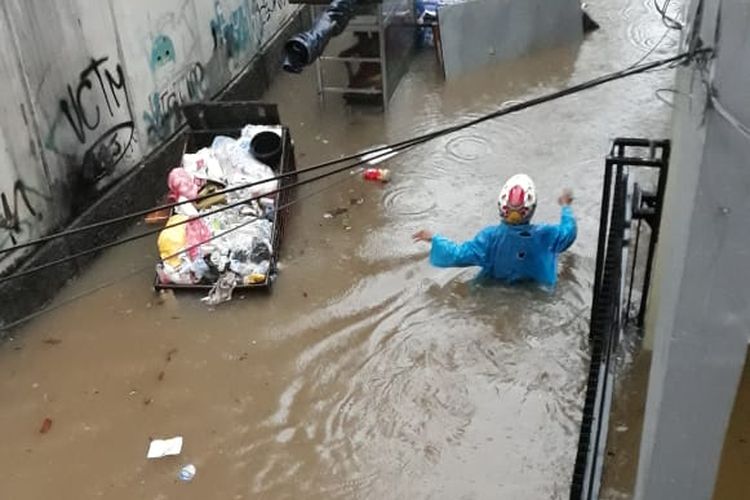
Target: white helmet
x=517 y=200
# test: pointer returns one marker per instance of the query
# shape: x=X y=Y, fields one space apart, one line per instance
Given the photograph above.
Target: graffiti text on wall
x=82 y=112
x=11 y=220
x=237 y=33
x=264 y=11
x=266 y=8
x=163 y=115
x=232 y=31
x=239 y=30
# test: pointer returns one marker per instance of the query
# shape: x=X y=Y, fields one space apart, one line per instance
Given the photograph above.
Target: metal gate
x=623 y=203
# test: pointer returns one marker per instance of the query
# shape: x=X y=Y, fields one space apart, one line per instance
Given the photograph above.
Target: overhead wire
x=151 y=265
x=652 y=49
x=168 y=206
x=383 y=150
x=151 y=232
x=671 y=25
x=658 y=94
x=633 y=69
x=668 y=21
x=729 y=117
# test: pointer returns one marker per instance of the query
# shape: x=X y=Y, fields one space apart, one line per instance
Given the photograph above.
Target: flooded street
x=366 y=373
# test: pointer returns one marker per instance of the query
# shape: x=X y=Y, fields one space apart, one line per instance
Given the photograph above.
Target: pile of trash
x=198 y=252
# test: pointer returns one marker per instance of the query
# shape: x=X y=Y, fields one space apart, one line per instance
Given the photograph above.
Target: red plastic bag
x=183 y=185
x=196 y=232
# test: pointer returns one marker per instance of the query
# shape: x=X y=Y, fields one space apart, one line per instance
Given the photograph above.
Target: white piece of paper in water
x=164 y=447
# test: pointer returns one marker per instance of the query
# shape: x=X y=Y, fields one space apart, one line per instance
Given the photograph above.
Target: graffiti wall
x=93 y=86
x=26 y=209
x=186 y=50
x=77 y=87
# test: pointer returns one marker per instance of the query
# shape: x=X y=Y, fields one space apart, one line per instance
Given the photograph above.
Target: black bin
x=207 y=120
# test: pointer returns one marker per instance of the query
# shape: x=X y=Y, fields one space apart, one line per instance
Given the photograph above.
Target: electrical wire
x=379 y=152
x=658 y=94
x=505 y=110
x=652 y=49
x=729 y=117
x=151 y=232
x=385 y=150
x=151 y=266
x=668 y=21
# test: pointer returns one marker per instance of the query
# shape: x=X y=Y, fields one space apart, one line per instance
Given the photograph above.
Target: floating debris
x=335 y=212
x=46 y=426
x=187 y=473
x=159 y=448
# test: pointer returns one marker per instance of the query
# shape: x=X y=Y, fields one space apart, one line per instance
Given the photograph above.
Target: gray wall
x=699 y=312
x=92 y=87
x=482 y=32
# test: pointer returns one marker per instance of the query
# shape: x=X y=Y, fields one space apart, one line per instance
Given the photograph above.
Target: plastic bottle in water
x=187 y=473
x=377 y=174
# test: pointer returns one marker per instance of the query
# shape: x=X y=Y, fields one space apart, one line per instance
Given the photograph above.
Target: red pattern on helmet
x=516 y=197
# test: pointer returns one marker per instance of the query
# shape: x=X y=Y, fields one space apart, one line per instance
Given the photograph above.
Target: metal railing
x=622 y=203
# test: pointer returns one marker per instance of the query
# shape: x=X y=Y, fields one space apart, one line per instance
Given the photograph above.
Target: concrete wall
x=92 y=87
x=482 y=32
x=699 y=310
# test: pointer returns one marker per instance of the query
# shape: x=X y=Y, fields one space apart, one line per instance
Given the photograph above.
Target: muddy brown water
x=366 y=373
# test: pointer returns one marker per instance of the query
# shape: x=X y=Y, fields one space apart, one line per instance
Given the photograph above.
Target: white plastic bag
x=250 y=131
x=222 y=290
x=204 y=165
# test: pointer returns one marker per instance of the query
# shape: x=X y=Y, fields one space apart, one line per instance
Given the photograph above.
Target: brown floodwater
x=366 y=373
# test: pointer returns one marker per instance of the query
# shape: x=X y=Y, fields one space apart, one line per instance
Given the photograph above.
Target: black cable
x=728 y=116
x=150 y=266
x=151 y=232
x=386 y=150
x=658 y=92
x=652 y=49
x=248 y=222
x=667 y=20
x=677 y=26
x=383 y=150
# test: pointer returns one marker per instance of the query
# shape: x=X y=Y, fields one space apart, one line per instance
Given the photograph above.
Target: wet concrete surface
x=626 y=420
x=733 y=482
x=366 y=373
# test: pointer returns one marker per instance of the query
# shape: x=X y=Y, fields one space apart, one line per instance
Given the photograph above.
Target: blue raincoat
x=526 y=252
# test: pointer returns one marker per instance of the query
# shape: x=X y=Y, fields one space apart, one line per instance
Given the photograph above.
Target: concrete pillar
x=699 y=311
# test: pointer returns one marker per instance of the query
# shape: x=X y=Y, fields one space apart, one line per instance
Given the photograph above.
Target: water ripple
x=646 y=36
x=468 y=147
x=409 y=200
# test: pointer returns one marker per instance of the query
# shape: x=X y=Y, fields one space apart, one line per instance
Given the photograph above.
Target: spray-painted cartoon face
x=162 y=52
